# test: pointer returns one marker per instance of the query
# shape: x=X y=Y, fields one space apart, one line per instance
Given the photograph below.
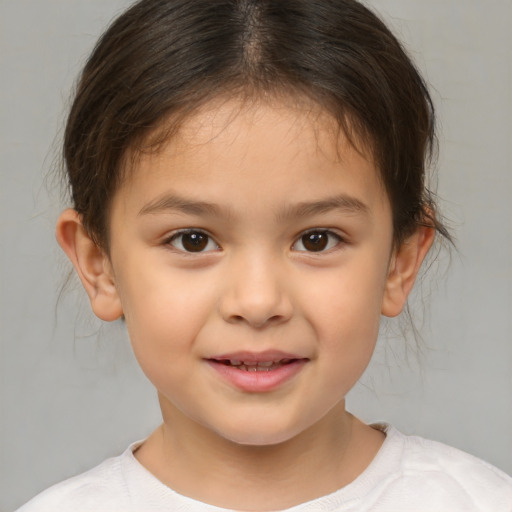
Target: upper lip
x=256 y=357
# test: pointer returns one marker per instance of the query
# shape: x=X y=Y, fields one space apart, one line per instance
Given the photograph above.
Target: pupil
x=315 y=242
x=194 y=242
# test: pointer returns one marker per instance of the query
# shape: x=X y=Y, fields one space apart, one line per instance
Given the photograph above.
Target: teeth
x=256 y=366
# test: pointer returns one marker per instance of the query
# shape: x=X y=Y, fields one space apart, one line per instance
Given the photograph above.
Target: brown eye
x=193 y=241
x=317 y=241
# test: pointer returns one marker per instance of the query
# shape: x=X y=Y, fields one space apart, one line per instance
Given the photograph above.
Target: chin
x=259 y=439
x=259 y=435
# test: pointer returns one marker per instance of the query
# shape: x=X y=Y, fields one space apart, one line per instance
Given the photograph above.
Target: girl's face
x=252 y=257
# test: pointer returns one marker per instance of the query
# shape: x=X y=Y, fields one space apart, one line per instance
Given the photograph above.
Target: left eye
x=193 y=241
x=317 y=241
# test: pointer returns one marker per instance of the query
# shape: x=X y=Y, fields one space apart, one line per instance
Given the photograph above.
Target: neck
x=198 y=463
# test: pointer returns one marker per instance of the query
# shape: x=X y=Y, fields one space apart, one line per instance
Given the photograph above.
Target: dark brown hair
x=163 y=58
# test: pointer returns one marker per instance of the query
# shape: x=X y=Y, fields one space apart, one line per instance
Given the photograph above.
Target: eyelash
x=180 y=234
x=332 y=240
x=204 y=240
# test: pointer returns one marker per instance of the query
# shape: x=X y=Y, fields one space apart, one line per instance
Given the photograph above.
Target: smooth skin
x=211 y=253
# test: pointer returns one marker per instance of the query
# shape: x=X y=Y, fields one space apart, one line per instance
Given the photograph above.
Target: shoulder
x=100 y=489
x=425 y=455
x=445 y=476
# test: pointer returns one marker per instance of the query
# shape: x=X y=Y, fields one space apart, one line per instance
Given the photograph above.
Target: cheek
x=344 y=309
x=164 y=313
x=348 y=300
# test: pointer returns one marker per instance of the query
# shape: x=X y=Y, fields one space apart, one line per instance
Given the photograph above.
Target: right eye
x=192 y=241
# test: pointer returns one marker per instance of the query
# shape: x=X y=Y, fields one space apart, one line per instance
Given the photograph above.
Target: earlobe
x=404 y=267
x=91 y=264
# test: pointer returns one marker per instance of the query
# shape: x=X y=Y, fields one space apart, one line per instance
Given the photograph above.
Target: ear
x=91 y=264
x=403 y=269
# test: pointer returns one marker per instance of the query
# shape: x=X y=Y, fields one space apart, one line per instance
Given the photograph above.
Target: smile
x=256 y=366
x=257 y=373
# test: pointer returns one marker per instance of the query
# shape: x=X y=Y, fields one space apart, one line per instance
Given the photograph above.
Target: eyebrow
x=181 y=204
x=344 y=203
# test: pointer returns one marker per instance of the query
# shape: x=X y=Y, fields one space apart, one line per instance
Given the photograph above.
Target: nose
x=255 y=292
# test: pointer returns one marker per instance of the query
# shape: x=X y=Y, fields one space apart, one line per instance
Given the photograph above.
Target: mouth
x=255 y=366
x=257 y=372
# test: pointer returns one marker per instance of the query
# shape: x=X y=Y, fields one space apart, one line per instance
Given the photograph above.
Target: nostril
x=275 y=319
x=256 y=322
x=250 y=305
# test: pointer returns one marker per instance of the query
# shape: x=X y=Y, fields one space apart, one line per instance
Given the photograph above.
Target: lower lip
x=258 y=381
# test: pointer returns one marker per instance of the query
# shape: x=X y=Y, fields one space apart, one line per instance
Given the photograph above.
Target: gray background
x=69 y=398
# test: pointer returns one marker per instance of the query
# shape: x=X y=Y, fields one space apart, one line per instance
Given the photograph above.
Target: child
x=249 y=195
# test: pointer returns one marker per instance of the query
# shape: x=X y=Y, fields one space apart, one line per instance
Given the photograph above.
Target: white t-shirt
x=408 y=474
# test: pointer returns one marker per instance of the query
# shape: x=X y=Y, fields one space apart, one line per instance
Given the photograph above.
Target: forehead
x=256 y=142
x=214 y=117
